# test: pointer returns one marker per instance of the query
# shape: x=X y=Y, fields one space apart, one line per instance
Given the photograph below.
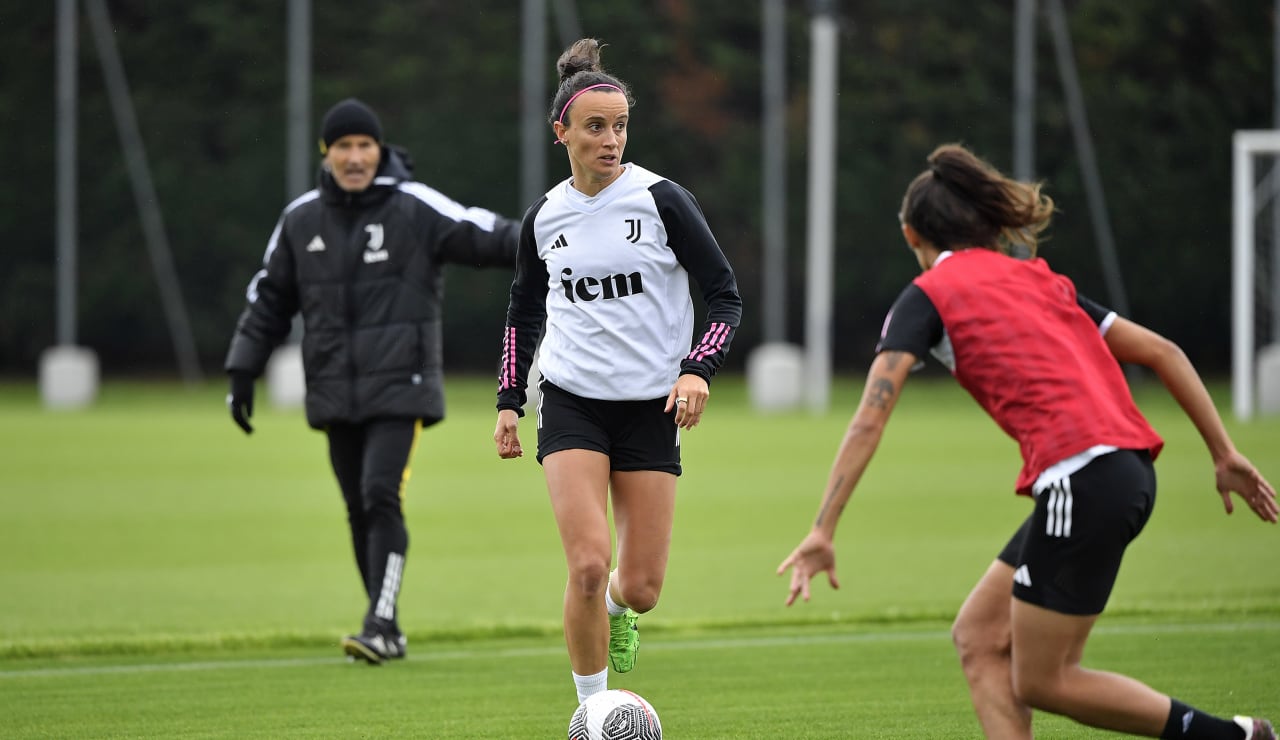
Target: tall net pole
x=144 y=192
x=1057 y=19
x=65 y=228
x=822 y=186
x=1275 y=201
x=534 y=133
x=774 y=171
x=1024 y=90
x=298 y=134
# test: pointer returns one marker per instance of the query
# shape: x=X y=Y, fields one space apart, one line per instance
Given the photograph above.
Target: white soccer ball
x=617 y=714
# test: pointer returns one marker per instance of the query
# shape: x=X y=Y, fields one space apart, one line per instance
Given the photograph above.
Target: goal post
x=1248 y=371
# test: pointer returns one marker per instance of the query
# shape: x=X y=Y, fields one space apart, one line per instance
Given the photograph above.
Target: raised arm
x=816 y=553
x=470 y=236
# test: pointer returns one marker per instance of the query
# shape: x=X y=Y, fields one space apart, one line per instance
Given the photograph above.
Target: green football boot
x=624 y=641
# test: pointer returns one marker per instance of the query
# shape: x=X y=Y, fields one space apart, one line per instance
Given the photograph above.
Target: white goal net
x=1255 y=273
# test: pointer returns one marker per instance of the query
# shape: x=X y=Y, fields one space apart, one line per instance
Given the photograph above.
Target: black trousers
x=371 y=462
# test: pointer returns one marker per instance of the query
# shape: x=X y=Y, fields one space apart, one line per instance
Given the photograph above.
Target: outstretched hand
x=815 y=554
x=1236 y=473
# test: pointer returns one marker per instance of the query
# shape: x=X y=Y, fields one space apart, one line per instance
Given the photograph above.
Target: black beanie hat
x=346 y=118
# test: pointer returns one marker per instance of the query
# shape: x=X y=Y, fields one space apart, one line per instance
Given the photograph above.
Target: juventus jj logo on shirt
x=634 y=235
x=373 y=250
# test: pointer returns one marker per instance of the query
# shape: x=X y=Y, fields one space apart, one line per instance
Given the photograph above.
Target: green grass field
x=161 y=574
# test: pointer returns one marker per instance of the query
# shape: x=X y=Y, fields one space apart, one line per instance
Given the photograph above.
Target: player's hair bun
x=583 y=56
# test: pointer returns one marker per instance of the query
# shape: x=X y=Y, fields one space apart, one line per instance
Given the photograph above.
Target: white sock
x=588 y=685
x=609 y=603
x=1246 y=724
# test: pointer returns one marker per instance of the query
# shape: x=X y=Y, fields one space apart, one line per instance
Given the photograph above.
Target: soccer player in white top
x=605 y=259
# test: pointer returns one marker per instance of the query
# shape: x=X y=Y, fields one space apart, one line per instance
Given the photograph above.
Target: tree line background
x=1166 y=83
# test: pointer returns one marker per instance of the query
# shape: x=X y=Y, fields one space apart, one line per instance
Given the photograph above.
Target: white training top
x=611 y=272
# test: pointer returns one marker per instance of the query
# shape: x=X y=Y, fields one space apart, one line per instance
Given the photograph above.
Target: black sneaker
x=397 y=645
x=371 y=647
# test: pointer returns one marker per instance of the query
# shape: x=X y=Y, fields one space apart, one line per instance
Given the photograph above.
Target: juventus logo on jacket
x=373 y=250
x=633 y=235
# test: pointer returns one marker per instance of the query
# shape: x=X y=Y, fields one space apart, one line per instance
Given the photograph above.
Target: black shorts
x=1067 y=554
x=636 y=435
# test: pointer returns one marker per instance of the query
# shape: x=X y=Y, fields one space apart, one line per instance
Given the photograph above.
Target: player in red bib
x=1044 y=363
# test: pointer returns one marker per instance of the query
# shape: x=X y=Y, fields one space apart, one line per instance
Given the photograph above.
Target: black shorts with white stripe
x=1067 y=554
x=635 y=435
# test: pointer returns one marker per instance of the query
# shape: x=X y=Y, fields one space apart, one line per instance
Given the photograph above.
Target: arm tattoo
x=881 y=390
x=826 y=501
x=880 y=393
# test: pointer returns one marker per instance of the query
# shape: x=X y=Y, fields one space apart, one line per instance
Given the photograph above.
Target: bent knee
x=641 y=601
x=641 y=596
x=973 y=639
x=589 y=577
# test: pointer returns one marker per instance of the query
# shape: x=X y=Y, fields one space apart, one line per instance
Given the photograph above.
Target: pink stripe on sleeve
x=507 y=379
x=712 y=342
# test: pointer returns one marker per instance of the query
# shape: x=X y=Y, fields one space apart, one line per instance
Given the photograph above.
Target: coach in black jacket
x=361 y=258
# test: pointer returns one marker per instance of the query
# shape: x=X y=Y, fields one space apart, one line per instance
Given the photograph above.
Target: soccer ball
x=617 y=714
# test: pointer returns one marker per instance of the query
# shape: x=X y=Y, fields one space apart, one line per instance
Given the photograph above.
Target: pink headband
x=575 y=96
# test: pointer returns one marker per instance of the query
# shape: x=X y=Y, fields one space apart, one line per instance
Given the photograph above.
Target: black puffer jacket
x=366 y=271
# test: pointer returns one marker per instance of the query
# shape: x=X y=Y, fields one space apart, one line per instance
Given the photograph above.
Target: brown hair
x=961 y=200
x=579 y=67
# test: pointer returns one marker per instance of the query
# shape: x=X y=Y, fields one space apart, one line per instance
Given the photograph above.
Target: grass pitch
x=162 y=574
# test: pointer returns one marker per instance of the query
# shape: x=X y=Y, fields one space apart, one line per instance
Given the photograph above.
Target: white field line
x=659 y=646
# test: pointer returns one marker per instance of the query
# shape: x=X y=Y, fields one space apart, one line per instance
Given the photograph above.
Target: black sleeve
x=1096 y=311
x=268 y=316
x=694 y=245
x=526 y=312
x=480 y=239
x=913 y=324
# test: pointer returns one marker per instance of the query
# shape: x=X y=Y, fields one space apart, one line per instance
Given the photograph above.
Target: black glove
x=240 y=400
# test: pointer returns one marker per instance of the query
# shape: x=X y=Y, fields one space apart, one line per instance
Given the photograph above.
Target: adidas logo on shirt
x=1022 y=576
x=316 y=244
x=560 y=242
